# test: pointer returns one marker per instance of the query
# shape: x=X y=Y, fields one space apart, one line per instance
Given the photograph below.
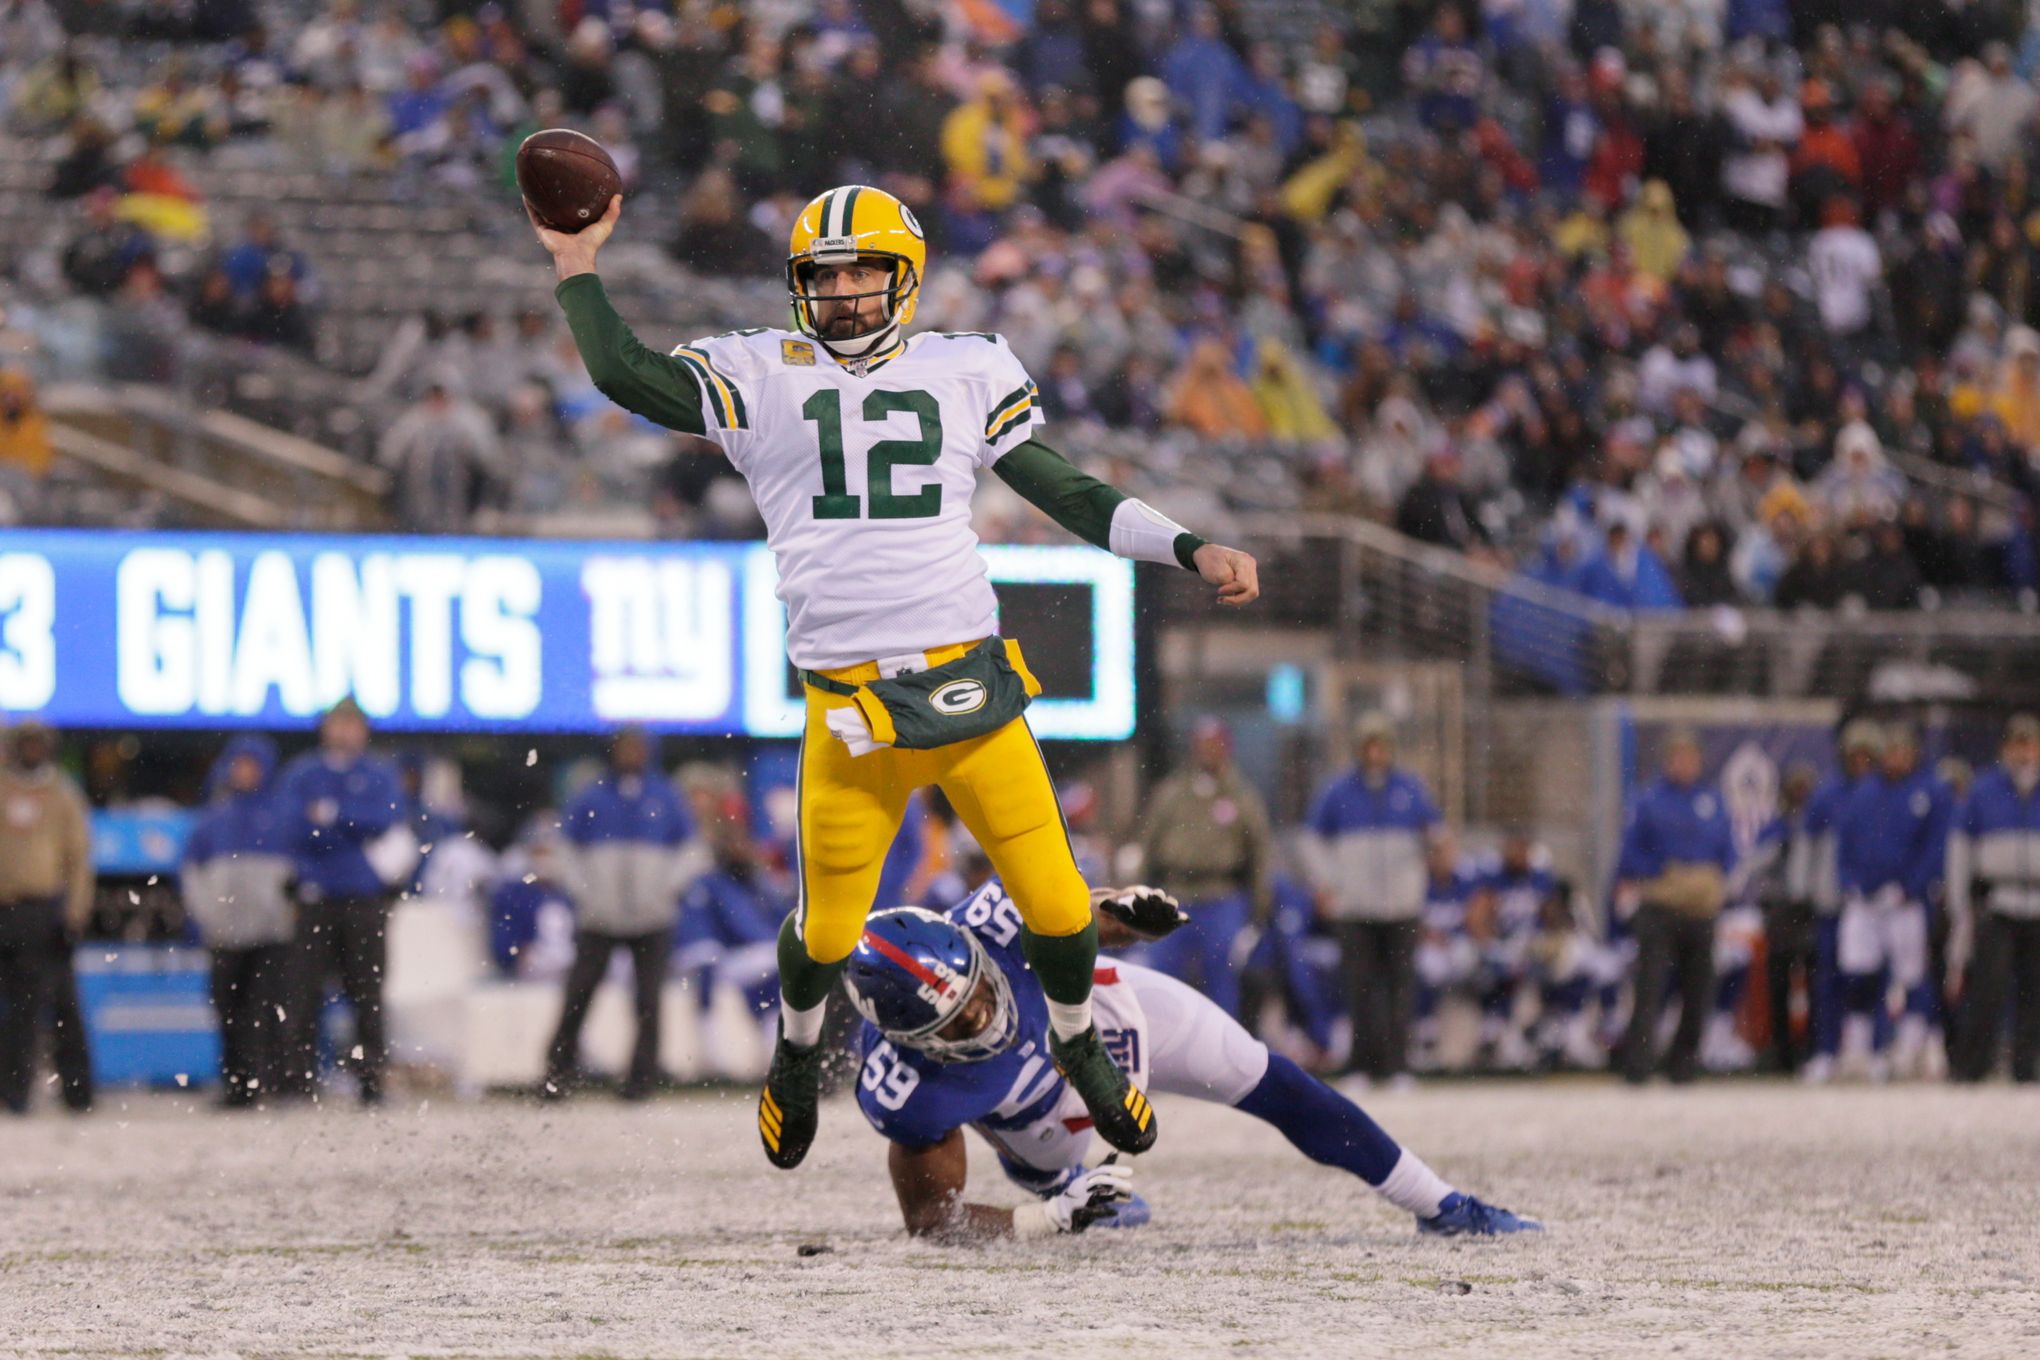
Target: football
x=566 y=177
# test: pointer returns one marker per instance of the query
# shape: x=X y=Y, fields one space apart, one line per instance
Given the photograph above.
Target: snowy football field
x=1736 y=1220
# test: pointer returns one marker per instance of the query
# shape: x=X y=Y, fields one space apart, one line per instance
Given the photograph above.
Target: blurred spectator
x=1766 y=124
x=1366 y=848
x=215 y=307
x=145 y=329
x=714 y=232
x=24 y=435
x=341 y=807
x=1704 y=578
x=237 y=863
x=1848 y=271
x=1651 y=230
x=1886 y=577
x=1677 y=854
x=531 y=917
x=278 y=317
x=1629 y=573
x=88 y=164
x=1814 y=578
x=1203 y=73
x=1436 y=509
x=53 y=91
x=984 y=145
x=1207 y=840
x=1859 y=486
x=442 y=452
x=98 y=258
x=1445 y=73
x=46 y=884
x=1994 y=910
x=1887 y=148
x=1206 y=396
x=1994 y=106
x=2016 y=401
x=728 y=931
x=259 y=253
x=627 y=829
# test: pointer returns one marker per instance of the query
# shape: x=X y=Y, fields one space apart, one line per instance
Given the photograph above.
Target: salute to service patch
x=799 y=353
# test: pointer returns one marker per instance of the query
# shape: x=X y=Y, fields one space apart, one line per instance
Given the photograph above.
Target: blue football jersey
x=913 y=1099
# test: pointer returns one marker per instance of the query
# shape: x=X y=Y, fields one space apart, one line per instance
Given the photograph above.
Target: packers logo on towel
x=959 y=697
x=798 y=353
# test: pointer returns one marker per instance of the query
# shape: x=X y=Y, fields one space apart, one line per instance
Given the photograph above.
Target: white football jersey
x=864 y=479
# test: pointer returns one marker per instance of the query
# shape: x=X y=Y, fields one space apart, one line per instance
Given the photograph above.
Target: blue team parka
x=1676 y=824
x=1893 y=831
x=239 y=856
x=332 y=812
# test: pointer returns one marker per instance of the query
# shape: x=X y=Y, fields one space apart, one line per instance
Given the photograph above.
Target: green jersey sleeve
x=666 y=389
x=1078 y=501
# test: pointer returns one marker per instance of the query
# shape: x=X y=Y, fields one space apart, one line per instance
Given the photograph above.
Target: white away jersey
x=864 y=480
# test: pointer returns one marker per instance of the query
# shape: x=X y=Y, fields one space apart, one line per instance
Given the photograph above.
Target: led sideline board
x=212 y=631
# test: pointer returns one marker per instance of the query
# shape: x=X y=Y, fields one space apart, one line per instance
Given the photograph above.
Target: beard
x=848 y=324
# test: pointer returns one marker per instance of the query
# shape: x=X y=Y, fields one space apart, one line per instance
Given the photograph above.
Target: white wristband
x=1143 y=533
x=1036 y=1220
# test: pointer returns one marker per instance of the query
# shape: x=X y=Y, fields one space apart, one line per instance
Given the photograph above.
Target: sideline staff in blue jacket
x=343 y=808
x=237 y=865
x=1677 y=854
x=1994 y=901
x=625 y=833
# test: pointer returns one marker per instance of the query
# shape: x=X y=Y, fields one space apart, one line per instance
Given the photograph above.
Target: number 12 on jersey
x=825 y=409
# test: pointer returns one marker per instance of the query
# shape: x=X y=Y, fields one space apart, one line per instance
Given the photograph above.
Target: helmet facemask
x=896 y=307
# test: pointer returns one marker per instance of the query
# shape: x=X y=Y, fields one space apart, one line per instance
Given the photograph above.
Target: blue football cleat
x=1463 y=1215
x=1134 y=1213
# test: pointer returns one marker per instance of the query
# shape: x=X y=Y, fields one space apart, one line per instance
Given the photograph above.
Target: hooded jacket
x=239 y=857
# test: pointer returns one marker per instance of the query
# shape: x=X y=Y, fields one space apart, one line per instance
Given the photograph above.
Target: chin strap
x=863 y=346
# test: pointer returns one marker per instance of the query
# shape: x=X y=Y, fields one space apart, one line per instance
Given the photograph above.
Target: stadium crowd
x=1880 y=923
x=1670 y=304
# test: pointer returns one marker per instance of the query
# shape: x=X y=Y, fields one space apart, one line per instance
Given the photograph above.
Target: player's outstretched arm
x=656 y=386
x=929 y=1183
x=1112 y=520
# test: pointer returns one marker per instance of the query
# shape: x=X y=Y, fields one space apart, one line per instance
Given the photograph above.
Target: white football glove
x=1094 y=1195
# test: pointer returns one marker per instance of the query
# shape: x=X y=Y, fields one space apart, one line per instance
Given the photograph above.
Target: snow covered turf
x=1731 y=1220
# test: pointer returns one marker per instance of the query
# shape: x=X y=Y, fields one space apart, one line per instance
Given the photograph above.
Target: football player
x=861 y=445
x=957 y=1034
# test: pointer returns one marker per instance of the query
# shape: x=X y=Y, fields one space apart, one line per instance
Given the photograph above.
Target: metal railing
x=1377 y=592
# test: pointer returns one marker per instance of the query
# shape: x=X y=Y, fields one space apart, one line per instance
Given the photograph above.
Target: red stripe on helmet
x=918 y=970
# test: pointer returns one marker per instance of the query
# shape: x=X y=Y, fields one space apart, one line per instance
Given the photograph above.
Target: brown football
x=566 y=177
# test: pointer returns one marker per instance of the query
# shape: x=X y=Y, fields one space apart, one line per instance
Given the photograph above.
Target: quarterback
x=861 y=446
x=955 y=1029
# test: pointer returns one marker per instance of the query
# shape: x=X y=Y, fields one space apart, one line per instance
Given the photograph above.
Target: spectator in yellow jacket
x=24 y=431
x=984 y=145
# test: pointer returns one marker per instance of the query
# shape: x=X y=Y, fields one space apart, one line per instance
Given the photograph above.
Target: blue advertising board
x=217 y=631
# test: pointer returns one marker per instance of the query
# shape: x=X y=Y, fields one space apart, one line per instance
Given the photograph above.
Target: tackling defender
x=955 y=1034
x=861 y=447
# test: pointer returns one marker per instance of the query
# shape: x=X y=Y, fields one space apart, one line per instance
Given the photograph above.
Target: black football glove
x=1148 y=912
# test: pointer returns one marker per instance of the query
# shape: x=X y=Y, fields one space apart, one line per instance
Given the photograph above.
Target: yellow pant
x=851 y=806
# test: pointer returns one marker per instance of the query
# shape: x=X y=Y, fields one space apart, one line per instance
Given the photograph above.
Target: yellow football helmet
x=856 y=222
